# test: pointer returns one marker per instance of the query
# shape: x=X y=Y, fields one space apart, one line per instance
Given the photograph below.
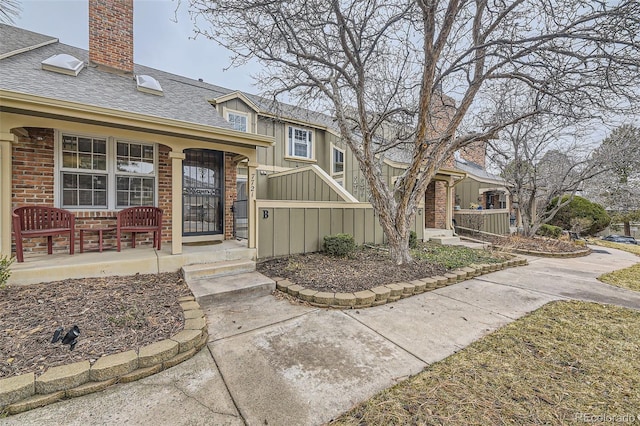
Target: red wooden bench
x=42 y=221
x=140 y=219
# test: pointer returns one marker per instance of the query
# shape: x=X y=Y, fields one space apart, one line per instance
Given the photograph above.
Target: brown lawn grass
x=628 y=278
x=563 y=361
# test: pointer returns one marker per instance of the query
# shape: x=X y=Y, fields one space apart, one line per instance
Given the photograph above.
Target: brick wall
x=230 y=193
x=111 y=33
x=32 y=183
x=435 y=205
x=475 y=152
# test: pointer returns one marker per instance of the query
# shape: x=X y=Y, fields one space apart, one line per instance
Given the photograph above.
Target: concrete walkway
x=273 y=363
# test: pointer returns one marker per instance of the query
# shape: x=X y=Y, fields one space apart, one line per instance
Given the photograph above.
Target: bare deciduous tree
x=9 y=9
x=422 y=67
x=539 y=164
x=619 y=188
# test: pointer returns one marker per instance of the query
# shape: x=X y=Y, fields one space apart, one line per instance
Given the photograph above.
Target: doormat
x=202 y=243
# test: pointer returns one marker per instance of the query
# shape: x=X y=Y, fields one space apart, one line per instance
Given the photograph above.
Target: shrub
x=581 y=208
x=549 y=231
x=413 y=240
x=339 y=244
x=5 y=273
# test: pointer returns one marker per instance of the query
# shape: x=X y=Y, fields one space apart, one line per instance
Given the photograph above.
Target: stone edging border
x=389 y=292
x=564 y=255
x=25 y=392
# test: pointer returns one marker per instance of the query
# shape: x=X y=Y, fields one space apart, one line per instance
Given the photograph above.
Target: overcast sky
x=159 y=42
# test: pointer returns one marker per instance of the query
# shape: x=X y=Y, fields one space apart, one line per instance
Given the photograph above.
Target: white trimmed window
x=135 y=174
x=337 y=161
x=300 y=143
x=99 y=172
x=238 y=120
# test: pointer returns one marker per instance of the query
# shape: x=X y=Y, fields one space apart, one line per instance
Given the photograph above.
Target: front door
x=202 y=192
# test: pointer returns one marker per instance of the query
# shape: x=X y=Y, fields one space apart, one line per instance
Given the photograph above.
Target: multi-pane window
x=105 y=173
x=300 y=143
x=237 y=121
x=84 y=172
x=135 y=170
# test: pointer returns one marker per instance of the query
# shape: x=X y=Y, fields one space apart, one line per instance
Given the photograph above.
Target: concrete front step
x=217 y=269
x=431 y=233
x=219 y=255
x=231 y=287
x=445 y=240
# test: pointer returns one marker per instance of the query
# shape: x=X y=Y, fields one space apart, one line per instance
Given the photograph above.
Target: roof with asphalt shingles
x=183 y=98
x=13 y=39
x=476 y=170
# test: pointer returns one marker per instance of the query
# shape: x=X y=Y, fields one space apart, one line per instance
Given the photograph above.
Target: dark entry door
x=202 y=192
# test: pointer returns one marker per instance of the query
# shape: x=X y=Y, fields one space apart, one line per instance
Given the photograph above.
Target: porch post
x=449 y=209
x=251 y=203
x=6 y=139
x=176 y=201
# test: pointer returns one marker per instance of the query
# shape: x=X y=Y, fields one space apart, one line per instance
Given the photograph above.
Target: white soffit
x=63 y=63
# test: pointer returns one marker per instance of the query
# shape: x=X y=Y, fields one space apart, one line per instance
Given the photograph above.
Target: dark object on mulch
x=115 y=314
x=363 y=270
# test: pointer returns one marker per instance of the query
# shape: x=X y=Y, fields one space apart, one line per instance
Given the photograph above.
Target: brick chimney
x=475 y=152
x=111 y=35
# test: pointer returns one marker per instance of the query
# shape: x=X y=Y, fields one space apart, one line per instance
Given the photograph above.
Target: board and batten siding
x=292 y=227
x=276 y=156
x=303 y=186
x=492 y=221
x=355 y=182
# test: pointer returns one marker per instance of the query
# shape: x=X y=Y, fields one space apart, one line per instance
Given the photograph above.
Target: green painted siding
x=469 y=190
x=305 y=185
x=355 y=182
x=485 y=220
x=275 y=156
x=287 y=230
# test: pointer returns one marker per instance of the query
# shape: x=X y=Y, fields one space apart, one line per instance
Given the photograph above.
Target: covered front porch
x=82 y=159
x=141 y=260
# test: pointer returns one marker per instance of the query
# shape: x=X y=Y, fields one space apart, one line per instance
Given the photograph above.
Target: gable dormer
x=238 y=110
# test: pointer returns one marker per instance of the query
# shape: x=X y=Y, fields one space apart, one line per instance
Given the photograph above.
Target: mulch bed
x=363 y=270
x=539 y=244
x=114 y=314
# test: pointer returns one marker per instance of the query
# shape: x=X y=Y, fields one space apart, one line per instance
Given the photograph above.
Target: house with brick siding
x=93 y=133
x=482 y=200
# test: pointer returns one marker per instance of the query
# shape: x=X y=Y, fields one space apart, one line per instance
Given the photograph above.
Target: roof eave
x=43 y=105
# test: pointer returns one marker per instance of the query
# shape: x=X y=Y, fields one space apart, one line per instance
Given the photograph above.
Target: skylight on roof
x=63 y=63
x=148 y=84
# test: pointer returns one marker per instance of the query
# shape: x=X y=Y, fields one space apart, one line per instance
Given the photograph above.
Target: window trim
x=289 y=144
x=111 y=170
x=246 y=115
x=335 y=174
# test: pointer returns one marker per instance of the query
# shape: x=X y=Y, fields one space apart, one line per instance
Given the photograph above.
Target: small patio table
x=99 y=231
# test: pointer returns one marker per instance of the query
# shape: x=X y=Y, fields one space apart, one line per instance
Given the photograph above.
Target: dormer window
x=148 y=84
x=63 y=64
x=238 y=120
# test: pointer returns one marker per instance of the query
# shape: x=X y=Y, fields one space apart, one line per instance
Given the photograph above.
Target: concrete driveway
x=273 y=363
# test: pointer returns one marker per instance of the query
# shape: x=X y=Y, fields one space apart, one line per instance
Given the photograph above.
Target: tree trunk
x=396 y=227
x=399 y=250
x=627 y=228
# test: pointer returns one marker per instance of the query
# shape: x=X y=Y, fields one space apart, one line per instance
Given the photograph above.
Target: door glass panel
x=202 y=192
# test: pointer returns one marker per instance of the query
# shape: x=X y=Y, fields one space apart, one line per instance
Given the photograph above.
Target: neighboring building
x=92 y=132
x=482 y=199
